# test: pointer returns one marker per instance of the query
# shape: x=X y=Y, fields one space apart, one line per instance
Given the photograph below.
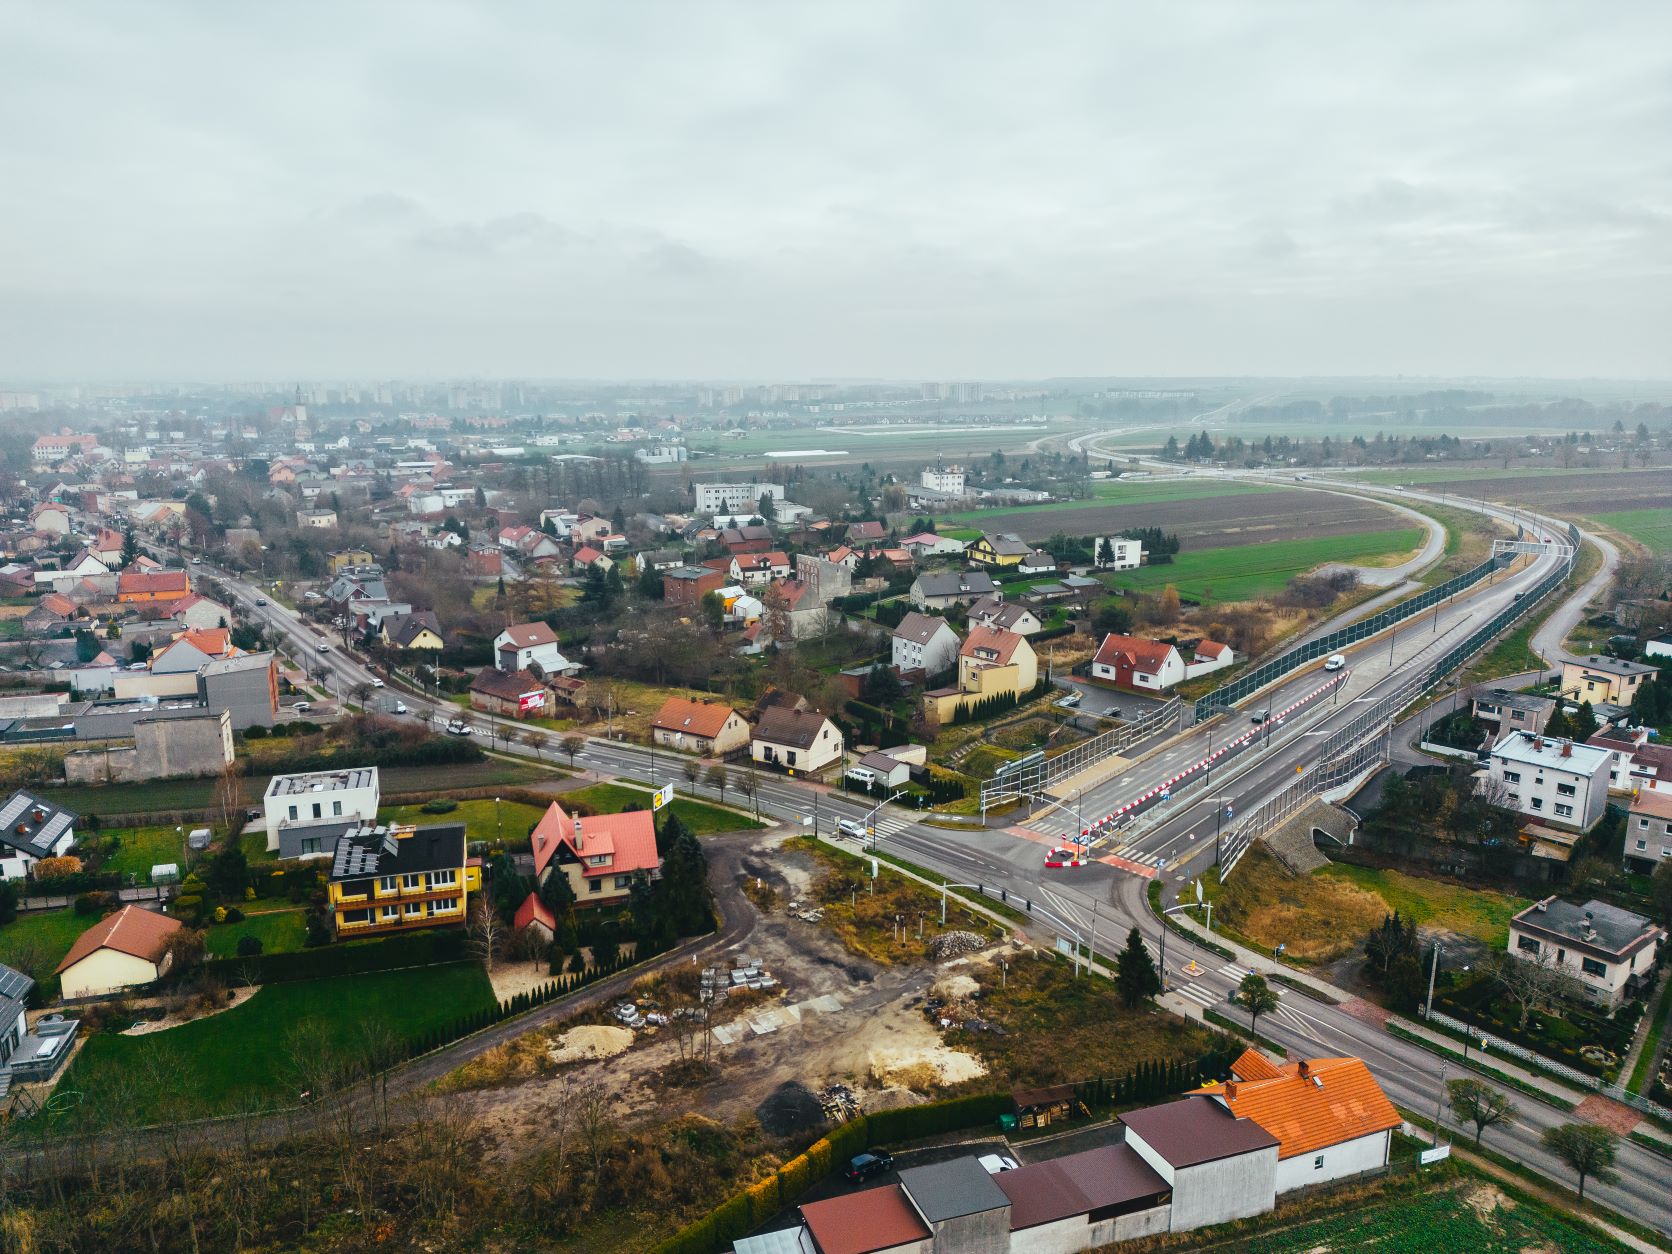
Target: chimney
x=1305 y=1069
x=1567 y=748
x=1230 y=1090
x=578 y=837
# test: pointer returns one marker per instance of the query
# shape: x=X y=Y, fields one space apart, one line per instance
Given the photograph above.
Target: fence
x=1367 y=738
x=1035 y=773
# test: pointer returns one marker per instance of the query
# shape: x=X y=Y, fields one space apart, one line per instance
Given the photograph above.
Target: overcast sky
x=954 y=190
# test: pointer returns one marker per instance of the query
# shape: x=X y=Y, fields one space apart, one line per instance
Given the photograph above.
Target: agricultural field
x=1238 y=574
x=1650 y=527
x=699 y=816
x=1204 y=514
x=1572 y=493
x=242 y=1057
x=1470 y=1215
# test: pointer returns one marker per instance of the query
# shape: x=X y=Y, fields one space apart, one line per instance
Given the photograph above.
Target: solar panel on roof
x=14 y=984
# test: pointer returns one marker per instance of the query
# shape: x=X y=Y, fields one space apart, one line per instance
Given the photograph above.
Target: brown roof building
x=123 y=950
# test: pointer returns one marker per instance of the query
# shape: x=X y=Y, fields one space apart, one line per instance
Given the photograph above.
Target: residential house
x=1331 y=1119
x=927 y=544
x=526 y=646
x=924 y=644
x=1554 y=781
x=1609 y=951
x=32 y=828
x=124 y=950
x=1648 y=831
x=1637 y=764
x=800 y=741
x=1117 y=553
x=936 y=590
x=348 y=559
x=995 y=611
x=864 y=533
x=588 y=558
x=198 y=611
x=757 y=569
x=1037 y=562
x=707 y=728
x=146 y=587
x=746 y=539
x=485 y=561
x=50 y=518
x=1206 y=656
x=600 y=854
x=992 y=662
x=304 y=813
x=1134 y=662
x=510 y=694
x=52 y=614
x=417 y=630
x=1513 y=711
x=962 y=1204
x=316 y=519
x=389 y=879
x=686 y=585
x=1596 y=679
x=1219 y=1166
x=1002 y=549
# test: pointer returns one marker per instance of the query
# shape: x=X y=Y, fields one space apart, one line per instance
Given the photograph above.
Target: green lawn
x=35 y=943
x=1248 y=572
x=1652 y=527
x=1474 y=912
x=145 y=847
x=242 y=1055
x=699 y=816
x=281 y=931
x=514 y=820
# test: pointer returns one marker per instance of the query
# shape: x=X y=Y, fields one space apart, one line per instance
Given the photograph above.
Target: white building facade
x=322 y=797
x=731 y=498
x=1554 y=781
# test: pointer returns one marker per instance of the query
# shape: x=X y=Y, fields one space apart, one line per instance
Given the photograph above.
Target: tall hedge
x=414 y=949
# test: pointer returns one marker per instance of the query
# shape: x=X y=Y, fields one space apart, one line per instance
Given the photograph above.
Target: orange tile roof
x=131 y=930
x=701 y=718
x=1336 y=1100
x=1253 y=1065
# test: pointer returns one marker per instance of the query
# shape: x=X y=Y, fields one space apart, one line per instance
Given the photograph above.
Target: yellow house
x=390 y=879
x=418 y=630
x=998 y=549
x=345 y=559
x=992 y=662
x=123 y=950
x=1598 y=678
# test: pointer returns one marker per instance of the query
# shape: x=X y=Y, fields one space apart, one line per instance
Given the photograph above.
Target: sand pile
x=590 y=1041
x=956 y=987
x=924 y=1068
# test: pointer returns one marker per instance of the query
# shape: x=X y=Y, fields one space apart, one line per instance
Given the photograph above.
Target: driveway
x=1100 y=702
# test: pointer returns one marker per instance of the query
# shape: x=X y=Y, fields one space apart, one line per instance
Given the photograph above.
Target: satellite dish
x=1198 y=892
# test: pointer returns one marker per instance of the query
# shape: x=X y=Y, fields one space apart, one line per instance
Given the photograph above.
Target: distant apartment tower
x=730 y=498
x=948 y=479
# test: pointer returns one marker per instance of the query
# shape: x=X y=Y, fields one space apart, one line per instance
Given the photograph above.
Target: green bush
x=415 y=949
x=441 y=805
x=249 y=946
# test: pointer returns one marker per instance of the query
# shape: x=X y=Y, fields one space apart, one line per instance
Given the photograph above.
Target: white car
x=400 y=707
x=323 y=647
x=458 y=727
x=852 y=827
x=995 y=1163
x=1334 y=662
x=1070 y=701
x=301 y=707
x=376 y=682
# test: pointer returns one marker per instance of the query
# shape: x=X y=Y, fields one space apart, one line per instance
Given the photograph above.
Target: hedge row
x=743 y=1212
x=416 y=949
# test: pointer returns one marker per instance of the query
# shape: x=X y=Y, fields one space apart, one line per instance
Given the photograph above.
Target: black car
x=864 y=1166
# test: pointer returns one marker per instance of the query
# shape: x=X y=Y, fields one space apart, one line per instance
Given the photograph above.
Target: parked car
x=261 y=600
x=1334 y=662
x=197 y=561
x=400 y=707
x=458 y=727
x=864 y=1166
x=852 y=827
x=376 y=682
x=995 y=1163
x=1071 y=700
x=302 y=707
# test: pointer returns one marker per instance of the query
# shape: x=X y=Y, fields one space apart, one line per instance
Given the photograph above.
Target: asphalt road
x=1103 y=902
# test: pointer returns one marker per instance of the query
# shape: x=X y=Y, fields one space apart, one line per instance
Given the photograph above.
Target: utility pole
x=1433 y=969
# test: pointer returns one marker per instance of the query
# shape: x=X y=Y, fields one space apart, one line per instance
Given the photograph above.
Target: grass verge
x=1651 y=1047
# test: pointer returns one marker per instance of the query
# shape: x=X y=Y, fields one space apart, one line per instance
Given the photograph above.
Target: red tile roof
x=152 y=584
x=991 y=639
x=700 y=718
x=1312 y=1104
x=533 y=910
x=1146 y=655
x=628 y=838
x=131 y=930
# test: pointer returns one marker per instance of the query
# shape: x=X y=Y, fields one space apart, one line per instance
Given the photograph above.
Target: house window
x=1564 y=812
x=595 y=886
x=311 y=845
x=317 y=812
x=1565 y=790
x=292 y=814
x=1318 y=1163
x=414 y=909
x=336 y=809
x=1527 y=943
x=1643 y=823
x=357 y=916
x=388 y=884
x=624 y=881
x=1592 y=967
x=1538 y=803
x=412 y=880
x=391 y=913
x=1643 y=844
x=443 y=879
x=1512 y=777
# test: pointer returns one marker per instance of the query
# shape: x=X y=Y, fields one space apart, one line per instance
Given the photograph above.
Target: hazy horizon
x=723 y=192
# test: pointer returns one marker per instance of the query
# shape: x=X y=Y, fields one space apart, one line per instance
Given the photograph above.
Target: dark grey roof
x=1110 y=1177
x=800 y=728
x=919 y=628
x=1615 y=666
x=943 y=1191
x=235 y=665
x=33 y=825
x=1596 y=923
x=13 y=983
x=370 y=851
x=954 y=583
x=1196 y=1130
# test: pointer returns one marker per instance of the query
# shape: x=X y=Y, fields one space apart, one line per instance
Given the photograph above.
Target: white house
x=798 y=740
x=1648 y=832
x=1554 y=781
x=1638 y=764
x=731 y=498
x=1117 y=553
x=889 y=768
x=924 y=643
x=995 y=611
x=1609 y=951
x=525 y=644
x=1134 y=662
x=1220 y=1166
x=330 y=800
x=32 y=829
x=949 y=479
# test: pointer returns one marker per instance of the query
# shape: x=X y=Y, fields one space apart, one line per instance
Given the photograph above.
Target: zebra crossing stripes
x=1197 y=994
x=887 y=825
x=1132 y=854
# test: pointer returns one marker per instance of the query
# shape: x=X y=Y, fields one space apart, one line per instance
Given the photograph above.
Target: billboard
x=535 y=700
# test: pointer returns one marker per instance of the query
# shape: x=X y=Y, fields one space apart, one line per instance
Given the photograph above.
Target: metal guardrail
x=1343 y=755
x=1227 y=696
x=1031 y=774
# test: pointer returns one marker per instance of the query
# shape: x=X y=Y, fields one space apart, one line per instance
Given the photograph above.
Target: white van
x=1334 y=662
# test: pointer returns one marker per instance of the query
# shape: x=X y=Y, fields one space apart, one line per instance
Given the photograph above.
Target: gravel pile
x=951 y=944
x=790 y=1108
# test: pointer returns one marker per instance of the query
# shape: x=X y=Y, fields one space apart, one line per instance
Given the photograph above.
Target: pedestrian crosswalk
x=1197 y=994
x=888 y=825
x=1130 y=853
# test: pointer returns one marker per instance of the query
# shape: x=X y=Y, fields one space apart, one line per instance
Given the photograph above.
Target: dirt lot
x=1210 y=522
x=1572 y=493
x=836 y=1017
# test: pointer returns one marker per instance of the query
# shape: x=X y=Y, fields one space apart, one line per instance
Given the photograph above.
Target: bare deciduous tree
x=484 y=933
x=1531 y=980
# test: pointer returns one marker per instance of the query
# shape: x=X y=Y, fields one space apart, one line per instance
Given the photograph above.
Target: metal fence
x=1350 y=750
x=1035 y=773
x=1227 y=696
